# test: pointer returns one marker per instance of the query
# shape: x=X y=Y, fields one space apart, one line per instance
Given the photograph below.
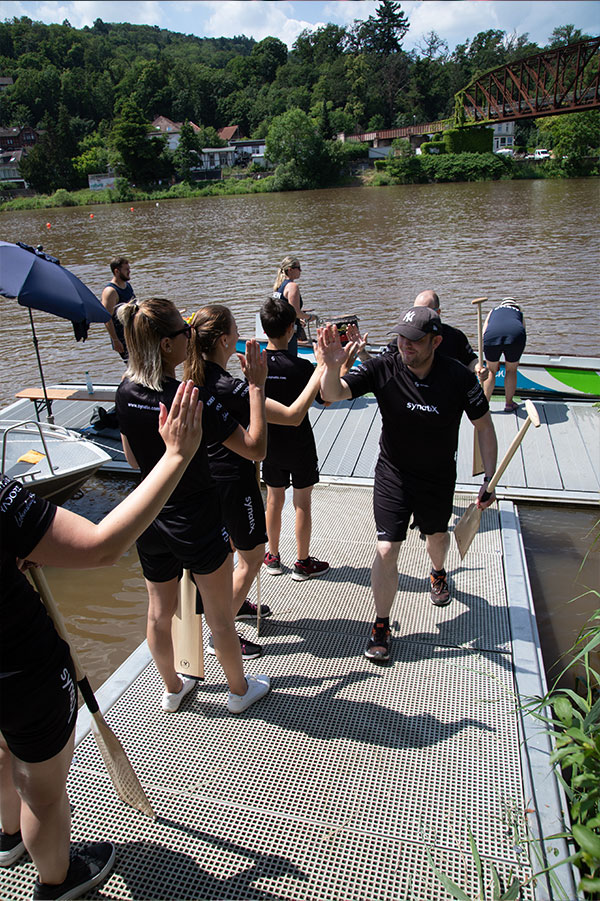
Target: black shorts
x=243 y=512
x=396 y=497
x=185 y=537
x=512 y=350
x=38 y=707
x=301 y=477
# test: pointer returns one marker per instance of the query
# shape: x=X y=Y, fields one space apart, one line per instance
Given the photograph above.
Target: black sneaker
x=11 y=848
x=250 y=650
x=440 y=593
x=248 y=610
x=273 y=564
x=89 y=866
x=378 y=645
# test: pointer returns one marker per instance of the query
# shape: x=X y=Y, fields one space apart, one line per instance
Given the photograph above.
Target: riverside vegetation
x=93 y=93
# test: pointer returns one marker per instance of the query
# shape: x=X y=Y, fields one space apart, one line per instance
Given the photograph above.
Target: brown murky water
x=363 y=251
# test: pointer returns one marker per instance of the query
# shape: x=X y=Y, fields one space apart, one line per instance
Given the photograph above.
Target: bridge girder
x=562 y=80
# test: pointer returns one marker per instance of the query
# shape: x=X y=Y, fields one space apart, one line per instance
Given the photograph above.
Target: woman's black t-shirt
x=27 y=634
x=224 y=463
x=138 y=408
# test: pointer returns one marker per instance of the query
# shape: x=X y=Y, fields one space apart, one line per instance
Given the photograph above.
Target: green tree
x=565 y=34
x=303 y=158
x=143 y=157
x=186 y=155
x=572 y=135
x=384 y=32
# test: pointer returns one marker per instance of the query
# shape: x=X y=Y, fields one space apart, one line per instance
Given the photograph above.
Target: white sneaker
x=258 y=687
x=172 y=699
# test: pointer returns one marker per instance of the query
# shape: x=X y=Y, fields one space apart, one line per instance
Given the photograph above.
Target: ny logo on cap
x=409 y=316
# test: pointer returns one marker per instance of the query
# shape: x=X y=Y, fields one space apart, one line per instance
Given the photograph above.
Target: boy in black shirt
x=291 y=452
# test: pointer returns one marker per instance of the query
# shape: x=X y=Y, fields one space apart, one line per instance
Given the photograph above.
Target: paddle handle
x=43 y=589
x=479 y=301
x=532 y=417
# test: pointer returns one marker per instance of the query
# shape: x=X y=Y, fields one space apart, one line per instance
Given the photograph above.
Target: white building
x=504 y=135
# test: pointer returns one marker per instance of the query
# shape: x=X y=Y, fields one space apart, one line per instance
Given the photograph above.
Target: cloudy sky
x=453 y=20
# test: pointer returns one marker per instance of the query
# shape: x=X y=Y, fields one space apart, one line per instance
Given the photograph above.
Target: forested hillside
x=88 y=88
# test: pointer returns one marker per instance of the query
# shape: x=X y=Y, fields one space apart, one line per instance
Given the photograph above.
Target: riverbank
x=464 y=167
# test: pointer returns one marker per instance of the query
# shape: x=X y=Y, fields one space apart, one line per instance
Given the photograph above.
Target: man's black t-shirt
x=455 y=345
x=234 y=394
x=420 y=417
x=27 y=632
x=289 y=446
x=138 y=408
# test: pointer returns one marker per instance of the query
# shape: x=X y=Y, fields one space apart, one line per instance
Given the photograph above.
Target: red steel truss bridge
x=561 y=80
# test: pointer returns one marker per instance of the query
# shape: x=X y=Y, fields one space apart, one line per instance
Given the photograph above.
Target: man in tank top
x=116 y=292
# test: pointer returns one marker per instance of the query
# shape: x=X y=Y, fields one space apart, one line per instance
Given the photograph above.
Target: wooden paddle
x=468 y=525
x=115 y=759
x=477 y=458
x=188 y=646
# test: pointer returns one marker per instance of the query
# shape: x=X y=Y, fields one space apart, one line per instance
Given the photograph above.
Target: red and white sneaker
x=308 y=569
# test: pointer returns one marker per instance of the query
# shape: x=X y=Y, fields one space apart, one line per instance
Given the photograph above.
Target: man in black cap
x=421 y=397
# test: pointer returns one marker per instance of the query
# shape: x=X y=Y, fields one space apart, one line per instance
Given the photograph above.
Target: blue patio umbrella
x=39 y=282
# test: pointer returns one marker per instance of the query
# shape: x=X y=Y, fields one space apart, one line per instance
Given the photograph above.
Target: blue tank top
x=125 y=294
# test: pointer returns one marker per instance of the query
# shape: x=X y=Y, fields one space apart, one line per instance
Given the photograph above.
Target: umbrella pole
x=37 y=353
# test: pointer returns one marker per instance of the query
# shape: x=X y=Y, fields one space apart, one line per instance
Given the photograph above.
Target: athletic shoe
x=172 y=699
x=309 y=569
x=273 y=564
x=250 y=650
x=89 y=866
x=248 y=610
x=378 y=645
x=11 y=848
x=440 y=593
x=258 y=687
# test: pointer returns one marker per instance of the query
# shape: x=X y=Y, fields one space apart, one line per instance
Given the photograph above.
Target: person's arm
x=76 y=543
x=251 y=443
x=488 y=446
x=291 y=293
x=280 y=414
x=129 y=455
x=332 y=386
x=109 y=300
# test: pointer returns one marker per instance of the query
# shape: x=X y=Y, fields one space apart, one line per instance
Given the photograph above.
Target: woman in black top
x=38 y=692
x=212 y=345
x=188 y=533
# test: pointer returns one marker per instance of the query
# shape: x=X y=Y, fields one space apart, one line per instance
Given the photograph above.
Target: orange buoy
x=131 y=209
x=91 y=215
x=48 y=225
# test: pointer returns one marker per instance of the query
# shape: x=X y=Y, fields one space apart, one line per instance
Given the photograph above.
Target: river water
x=363 y=251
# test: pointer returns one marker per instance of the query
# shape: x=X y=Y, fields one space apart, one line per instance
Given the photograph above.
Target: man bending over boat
x=421 y=397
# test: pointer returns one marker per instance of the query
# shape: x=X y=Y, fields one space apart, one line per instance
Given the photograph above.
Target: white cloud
x=250 y=17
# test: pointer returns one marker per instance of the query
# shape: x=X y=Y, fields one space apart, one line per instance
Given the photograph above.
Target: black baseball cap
x=418 y=322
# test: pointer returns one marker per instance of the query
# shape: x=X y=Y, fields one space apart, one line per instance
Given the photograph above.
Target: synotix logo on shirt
x=422 y=408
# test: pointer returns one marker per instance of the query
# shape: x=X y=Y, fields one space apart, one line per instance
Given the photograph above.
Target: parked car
x=505 y=151
x=542 y=154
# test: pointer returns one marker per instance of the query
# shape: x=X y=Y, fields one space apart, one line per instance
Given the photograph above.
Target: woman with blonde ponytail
x=188 y=533
x=285 y=288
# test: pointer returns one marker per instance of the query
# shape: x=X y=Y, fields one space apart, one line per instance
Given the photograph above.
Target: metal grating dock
x=335 y=786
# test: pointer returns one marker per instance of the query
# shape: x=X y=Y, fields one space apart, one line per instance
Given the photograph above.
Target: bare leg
x=510 y=381
x=162 y=607
x=302 y=506
x=249 y=563
x=490 y=382
x=275 y=502
x=10 y=802
x=45 y=812
x=384 y=576
x=216 y=589
x=437 y=548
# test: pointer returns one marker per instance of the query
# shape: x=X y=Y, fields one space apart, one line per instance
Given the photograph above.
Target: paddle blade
x=117 y=763
x=188 y=648
x=466 y=528
x=477 y=459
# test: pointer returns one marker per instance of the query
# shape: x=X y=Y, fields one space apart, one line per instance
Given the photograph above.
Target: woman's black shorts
x=243 y=512
x=511 y=348
x=185 y=537
x=38 y=707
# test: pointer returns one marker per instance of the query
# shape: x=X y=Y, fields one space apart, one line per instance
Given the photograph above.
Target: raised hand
x=254 y=364
x=330 y=347
x=181 y=426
